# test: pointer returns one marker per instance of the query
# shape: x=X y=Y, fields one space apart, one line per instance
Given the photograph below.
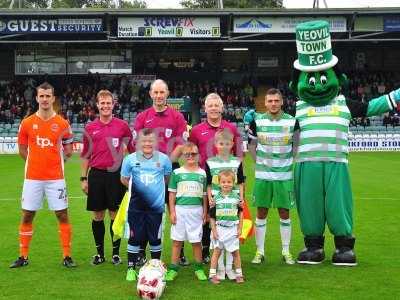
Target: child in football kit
x=226 y=219
x=188 y=207
x=148 y=170
x=224 y=160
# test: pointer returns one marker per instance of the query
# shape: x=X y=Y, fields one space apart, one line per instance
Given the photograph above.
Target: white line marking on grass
x=377 y=198
x=18 y=199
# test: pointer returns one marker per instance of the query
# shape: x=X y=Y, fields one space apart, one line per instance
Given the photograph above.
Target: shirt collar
x=163 y=113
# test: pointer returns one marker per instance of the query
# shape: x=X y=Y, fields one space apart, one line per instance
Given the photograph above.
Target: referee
x=170 y=128
x=104 y=142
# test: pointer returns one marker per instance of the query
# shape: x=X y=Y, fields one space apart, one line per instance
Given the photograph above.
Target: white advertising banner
x=374 y=144
x=169 y=27
x=282 y=24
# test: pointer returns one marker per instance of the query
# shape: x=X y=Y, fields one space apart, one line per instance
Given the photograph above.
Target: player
x=104 y=142
x=188 y=208
x=43 y=139
x=273 y=187
x=226 y=219
x=148 y=170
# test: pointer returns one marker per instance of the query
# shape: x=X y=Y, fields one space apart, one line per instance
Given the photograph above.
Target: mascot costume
x=321 y=175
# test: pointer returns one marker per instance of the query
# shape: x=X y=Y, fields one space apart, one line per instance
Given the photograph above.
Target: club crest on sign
x=115 y=142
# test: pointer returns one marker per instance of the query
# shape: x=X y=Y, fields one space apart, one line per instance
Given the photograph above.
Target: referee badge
x=168 y=132
x=115 y=142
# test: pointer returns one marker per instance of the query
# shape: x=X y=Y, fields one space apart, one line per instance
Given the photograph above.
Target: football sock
x=286 y=229
x=155 y=251
x=25 y=237
x=133 y=254
x=213 y=272
x=197 y=266
x=239 y=272
x=143 y=246
x=65 y=232
x=229 y=260
x=261 y=230
x=98 y=234
x=115 y=243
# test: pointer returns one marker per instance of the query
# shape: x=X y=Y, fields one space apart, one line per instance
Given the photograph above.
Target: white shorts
x=34 y=191
x=189 y=223
x=227 y=239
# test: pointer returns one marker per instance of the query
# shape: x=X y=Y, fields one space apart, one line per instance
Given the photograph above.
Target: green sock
x=173 y=267
x=198 y=266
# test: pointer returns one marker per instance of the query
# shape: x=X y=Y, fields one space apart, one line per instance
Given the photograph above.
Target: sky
x=297 y=3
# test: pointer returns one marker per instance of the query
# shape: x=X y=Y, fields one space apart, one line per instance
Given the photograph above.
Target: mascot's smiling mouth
x=314 y=95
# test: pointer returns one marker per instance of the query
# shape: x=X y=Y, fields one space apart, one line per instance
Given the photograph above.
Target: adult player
x=104 y=143
x=169 y=126
x=202 y=135
x=273 y=187
x=43 y=139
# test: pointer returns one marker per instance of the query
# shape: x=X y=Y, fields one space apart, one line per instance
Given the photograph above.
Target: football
x=151 y=282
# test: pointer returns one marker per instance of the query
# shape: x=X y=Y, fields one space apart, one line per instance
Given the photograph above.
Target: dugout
x=192 y=45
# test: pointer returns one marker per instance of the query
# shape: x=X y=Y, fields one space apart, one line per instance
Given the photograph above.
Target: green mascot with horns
x=322 y=181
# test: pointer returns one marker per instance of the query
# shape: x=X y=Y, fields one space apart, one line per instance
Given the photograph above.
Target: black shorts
x=145 y=226
x=105 y=190
x=175 y=165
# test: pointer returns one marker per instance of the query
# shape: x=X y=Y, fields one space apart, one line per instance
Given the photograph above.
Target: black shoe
x=20 y=262
x=344 y=254
x=313 y=253
x=141 y=261
x=183 y=261
x=116 y=260
x=68 y=262
x=97 y=259
x=206 y=259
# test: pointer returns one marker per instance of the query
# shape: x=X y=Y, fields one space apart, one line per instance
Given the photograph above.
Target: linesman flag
x=248 y=226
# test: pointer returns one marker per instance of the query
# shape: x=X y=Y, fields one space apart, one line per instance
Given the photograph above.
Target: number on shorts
x=62 y=193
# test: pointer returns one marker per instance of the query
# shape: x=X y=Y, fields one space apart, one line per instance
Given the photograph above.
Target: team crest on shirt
x=35 y=126
x=54 y=127
x=168 y=132
x=115 y=142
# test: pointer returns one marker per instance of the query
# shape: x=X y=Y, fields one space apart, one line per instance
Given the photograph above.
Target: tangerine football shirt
x=44 y=140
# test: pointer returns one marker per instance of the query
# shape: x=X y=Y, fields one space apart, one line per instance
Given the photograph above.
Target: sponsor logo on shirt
x=204 y=133
x=96 y=132
x=148 y=121
x=43 y=142
x=35 y=126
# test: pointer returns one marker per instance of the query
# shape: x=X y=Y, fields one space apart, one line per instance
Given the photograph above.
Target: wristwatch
x=83 y=178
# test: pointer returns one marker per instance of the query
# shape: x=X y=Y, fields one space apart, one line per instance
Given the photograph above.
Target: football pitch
x=376 y=190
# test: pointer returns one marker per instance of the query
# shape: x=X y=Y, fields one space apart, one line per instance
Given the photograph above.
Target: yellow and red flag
x=248 y=226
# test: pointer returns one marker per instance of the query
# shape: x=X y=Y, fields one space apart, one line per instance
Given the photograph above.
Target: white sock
x=261 y=230
x=213 y=272
x=286 y=230
x=239 y=272
x=221 y=265
x=229 y=261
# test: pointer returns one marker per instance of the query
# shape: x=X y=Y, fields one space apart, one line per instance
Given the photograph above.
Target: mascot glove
x=395 y=95
x=249 y=116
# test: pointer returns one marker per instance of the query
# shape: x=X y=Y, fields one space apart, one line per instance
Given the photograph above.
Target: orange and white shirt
x=44 y=140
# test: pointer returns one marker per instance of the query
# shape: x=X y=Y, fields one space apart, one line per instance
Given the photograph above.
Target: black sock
x=182 y=251
x=132 y=259
x=142 y=250
x=98 y=230
x=115 y=243
x=205 y=241
x=155 y=254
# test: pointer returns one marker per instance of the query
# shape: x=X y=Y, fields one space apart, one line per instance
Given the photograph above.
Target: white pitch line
x=18 y=199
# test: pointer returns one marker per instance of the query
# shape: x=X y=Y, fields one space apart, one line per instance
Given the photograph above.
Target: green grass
x=376 y=188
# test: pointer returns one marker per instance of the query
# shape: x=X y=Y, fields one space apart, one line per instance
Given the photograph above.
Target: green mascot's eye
x=311 y=81
x=323 y=79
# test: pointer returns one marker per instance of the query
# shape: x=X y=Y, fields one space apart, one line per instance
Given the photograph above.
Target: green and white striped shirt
x=227 y=209
x=323 y=131
x=215 y=164
x=274 y=160
x=189 y=186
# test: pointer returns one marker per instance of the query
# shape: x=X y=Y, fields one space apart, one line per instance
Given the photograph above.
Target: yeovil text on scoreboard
x=169 y=27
